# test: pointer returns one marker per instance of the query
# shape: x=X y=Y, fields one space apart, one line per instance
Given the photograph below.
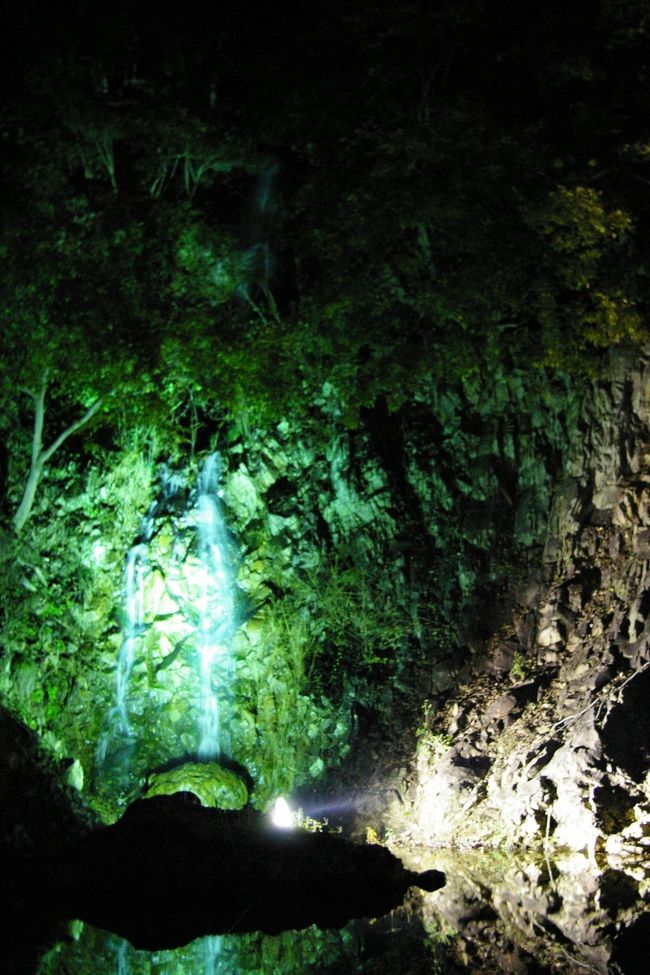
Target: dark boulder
x=172 y=870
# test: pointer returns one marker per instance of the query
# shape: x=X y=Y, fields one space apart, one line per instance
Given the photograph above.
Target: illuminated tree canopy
x=420 y=223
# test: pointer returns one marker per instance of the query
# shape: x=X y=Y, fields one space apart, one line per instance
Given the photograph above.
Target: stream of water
x=214 y=612
x=117 y=729
x=216 y=608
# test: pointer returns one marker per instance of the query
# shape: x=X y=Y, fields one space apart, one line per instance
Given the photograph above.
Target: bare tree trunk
x=40 y=456
x=25 y=507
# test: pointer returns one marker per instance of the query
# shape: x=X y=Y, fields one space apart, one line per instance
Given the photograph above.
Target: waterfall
x=258 y=263
x=215 y=606
x=211 y=946
x=266 y=194
x=133 y=629
x=209 y=587
x=118 y=724
x=209 y=580
x=122 y=958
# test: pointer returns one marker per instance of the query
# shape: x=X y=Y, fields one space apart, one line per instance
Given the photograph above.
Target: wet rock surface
x=560 y=755
x=212 y=784
x=541 y=753
x=519 y=914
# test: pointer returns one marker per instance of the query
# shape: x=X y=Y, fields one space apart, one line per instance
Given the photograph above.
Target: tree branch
x=40 y=457
x=39 y=420
x=77 y=425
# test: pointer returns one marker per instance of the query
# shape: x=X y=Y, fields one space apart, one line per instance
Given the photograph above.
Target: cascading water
x=122 y=958
x=207 y=581
x=134 y=626
x=212 y=945
x=258 y=259
x=216 y=608
x=118 y=726
x=266 y=195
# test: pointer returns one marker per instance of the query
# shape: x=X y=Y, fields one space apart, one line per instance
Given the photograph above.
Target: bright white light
x=281 y=815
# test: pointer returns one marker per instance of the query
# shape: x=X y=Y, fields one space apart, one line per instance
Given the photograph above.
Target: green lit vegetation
x=377 y=259
x=382 y=310
x=304 y=951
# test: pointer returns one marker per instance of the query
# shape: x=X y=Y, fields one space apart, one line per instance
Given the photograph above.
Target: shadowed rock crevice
x=626 y=735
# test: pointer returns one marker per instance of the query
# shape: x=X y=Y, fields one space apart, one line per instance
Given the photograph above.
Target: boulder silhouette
x=172 y=870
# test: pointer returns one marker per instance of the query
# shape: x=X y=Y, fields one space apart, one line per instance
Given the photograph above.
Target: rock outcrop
x=552 y=747
x=172 y=870
x=212 y=784
x=544 y=753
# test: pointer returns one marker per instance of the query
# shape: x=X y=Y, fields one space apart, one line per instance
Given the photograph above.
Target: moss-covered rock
x=214 y=785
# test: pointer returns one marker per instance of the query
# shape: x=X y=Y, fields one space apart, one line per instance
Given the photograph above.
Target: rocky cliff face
x=543 y=750
x=371 y=567
x=550 y=739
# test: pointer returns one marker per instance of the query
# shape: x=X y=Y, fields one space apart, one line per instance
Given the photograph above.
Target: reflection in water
x=535 y=915
x=498 y=913
x=203 y=957
x=296 y=952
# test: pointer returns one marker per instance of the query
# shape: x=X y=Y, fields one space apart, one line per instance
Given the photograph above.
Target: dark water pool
x=496 y=914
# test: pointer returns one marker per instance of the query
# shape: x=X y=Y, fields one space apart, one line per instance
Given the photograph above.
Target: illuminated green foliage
x=589 y=244
x=478 y=209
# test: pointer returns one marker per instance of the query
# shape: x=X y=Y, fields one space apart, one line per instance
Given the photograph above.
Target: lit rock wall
x=547 y=742
x=271 y=725
x=524 y=914
x=456 y=488
x=372 y=567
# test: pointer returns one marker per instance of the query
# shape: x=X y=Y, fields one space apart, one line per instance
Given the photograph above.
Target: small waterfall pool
x=498 y=914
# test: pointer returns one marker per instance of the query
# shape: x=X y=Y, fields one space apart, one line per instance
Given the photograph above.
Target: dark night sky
x=507 y=54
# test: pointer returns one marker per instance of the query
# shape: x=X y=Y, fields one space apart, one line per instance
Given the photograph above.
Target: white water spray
x=122 y=959
x=215 y=605
x=118 y=726
x=211 y=946
x=134 y=627
x=209 y=580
